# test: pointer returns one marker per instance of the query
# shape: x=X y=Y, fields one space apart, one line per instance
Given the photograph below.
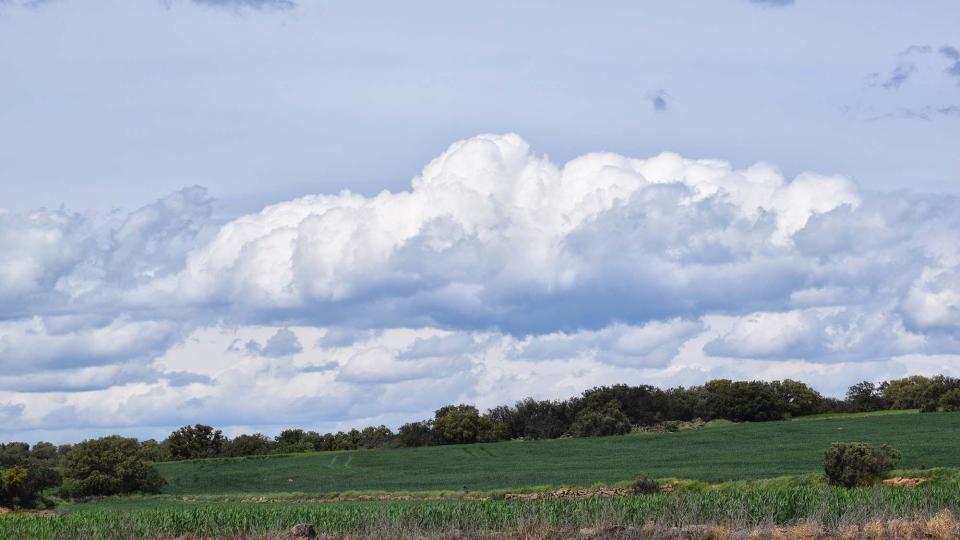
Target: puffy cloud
x=343 y=337
x=491 y=234
x=39 y=247
x=282 y=343
x=822 y=335
x=40 y=344
x=498 y=274
x=934 y=300
x=651 y=345
x=57 y=260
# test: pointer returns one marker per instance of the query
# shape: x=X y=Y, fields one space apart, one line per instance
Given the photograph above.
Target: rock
x=4 y=510
x=303 y=531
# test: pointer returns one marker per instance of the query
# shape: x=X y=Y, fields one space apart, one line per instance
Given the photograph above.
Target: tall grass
x=738 y=505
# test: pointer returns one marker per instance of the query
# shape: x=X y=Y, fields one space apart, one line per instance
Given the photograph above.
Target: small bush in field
x=852 y=464
x=645 y=485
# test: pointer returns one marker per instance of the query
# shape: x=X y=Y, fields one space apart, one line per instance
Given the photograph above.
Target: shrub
x=598 y=423
x=108 y=466
x=854 y=464
x=950 y=401
x=644 y=485
x=672 y=426
x=26 y=472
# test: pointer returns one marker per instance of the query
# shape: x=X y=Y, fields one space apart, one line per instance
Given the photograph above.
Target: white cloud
x=490 y=231
x=499 y=274
x=39 y=343
x=282 y=343
x=934 y=299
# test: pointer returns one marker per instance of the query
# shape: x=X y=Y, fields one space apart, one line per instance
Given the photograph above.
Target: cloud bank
x=498 y=274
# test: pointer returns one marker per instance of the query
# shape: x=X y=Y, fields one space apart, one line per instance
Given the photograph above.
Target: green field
x=774 y=467
x=745 y=504
x=731 y=452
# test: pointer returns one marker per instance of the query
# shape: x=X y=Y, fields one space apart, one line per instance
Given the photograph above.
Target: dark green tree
x=192 y=442
x=459 y=424
x=108 y=466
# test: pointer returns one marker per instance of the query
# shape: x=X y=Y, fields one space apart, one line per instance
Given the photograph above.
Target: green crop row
x=733 y=504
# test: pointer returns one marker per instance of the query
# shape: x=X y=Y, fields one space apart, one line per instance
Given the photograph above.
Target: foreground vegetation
x=755 y=473
x=468 y=488
x=743 y=504
x=725 y=452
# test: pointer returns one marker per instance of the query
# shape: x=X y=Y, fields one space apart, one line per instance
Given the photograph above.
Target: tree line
x=604 y=410
x=114 y=464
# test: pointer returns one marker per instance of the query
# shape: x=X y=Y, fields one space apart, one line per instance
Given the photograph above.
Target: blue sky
x=111 y=103
x=658 y=192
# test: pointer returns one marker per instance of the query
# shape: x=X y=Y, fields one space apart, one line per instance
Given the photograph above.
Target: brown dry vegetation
x=941 y=526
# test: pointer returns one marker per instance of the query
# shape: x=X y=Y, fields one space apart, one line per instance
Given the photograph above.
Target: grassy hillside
x=734 y=452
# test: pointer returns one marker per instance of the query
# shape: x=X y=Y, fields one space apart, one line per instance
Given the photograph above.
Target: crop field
x=741 y=475
x=731 y=452
x=741 y=503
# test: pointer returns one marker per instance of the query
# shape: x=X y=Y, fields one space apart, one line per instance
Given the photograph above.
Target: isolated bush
x=851 y=464
x=644 y=485
x=108 y=466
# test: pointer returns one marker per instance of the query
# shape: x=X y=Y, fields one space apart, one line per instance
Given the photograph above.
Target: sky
x=259 y=214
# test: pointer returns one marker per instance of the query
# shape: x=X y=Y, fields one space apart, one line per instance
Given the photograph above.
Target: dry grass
x=941 y=526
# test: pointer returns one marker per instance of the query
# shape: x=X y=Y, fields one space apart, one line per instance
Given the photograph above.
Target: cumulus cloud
x=651 y=345
x=39 y=343
x=934 y=299
x=55 y=259
x=827 y=335
x=498 y=274
x=283 y=343
x=343 y=337
x=491 y=234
